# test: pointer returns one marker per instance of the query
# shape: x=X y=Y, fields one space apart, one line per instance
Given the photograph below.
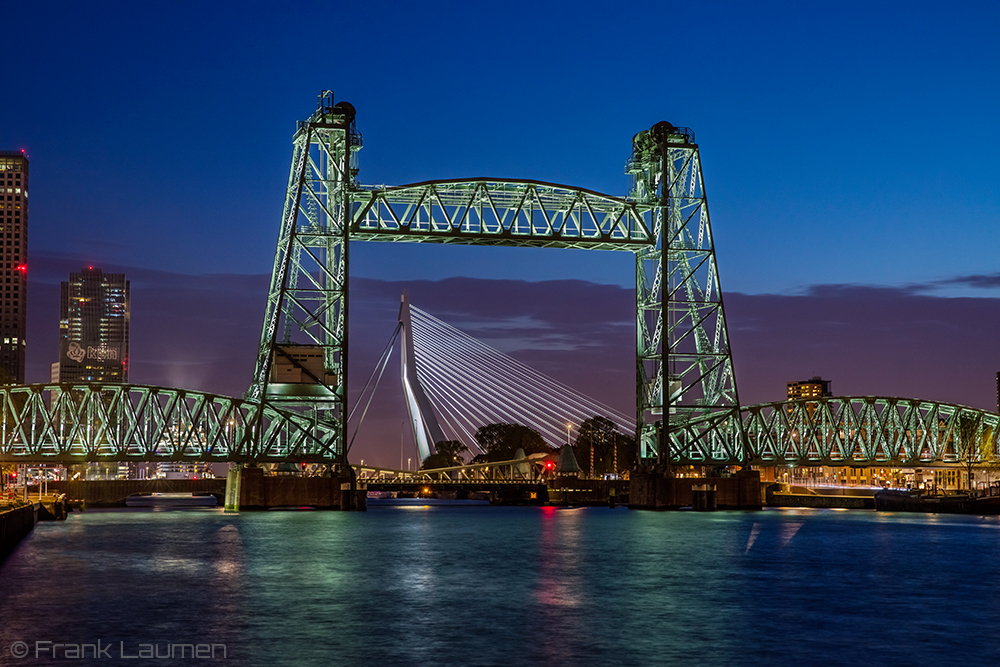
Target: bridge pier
x=115 y=492
x=248 y=488
x=657 y=489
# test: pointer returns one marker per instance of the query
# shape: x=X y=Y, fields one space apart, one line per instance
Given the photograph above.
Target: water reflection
x=458 y=585
x=559 y=582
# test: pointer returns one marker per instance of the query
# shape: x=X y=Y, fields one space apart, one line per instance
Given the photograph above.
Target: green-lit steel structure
x=64 y=423
x=869 y=431
x=123 y=422
x=686 y=398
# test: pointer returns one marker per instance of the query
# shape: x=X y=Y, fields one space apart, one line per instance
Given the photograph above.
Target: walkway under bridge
x=518 y=471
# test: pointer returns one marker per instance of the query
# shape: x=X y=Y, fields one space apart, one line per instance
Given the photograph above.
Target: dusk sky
x=849 y=150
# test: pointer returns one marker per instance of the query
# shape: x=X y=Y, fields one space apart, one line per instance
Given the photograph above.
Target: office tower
x=811 y=388
x=13 y=263
x=93 y=328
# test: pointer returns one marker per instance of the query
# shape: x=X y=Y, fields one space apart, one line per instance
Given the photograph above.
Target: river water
x=408 y=583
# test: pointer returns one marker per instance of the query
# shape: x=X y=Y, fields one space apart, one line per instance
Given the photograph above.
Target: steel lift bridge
x=296 y=409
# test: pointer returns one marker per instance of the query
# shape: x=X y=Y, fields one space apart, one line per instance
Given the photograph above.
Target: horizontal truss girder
x=869 y=431
x=120 y=422
x=497 y=212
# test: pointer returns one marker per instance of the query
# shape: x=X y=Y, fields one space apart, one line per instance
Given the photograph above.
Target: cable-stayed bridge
x=296 y=408
x=469 y=384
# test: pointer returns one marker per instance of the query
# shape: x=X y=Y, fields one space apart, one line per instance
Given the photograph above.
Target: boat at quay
x=982 y=503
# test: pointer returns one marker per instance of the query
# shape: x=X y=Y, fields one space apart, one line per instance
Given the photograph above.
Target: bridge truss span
x=869 y=431
x=121 y=422
x=489 y=211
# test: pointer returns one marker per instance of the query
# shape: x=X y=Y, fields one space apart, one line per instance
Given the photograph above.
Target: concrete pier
x=591 y=492
x=114 y=492
x=655 y=489
x=251 y=489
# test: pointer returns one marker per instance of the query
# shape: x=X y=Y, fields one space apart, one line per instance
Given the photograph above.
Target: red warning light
x=22 y=268
x=549 y=465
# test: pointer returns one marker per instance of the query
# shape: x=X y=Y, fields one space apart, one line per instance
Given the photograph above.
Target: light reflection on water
x=460 y=584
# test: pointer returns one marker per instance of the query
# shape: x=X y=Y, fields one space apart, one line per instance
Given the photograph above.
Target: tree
x=448 y=454
x=969 y=444
x=613 y=451
x=500 y=442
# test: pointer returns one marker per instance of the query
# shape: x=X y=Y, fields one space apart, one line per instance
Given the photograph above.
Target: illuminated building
x=93 y=328
x=814 y=387
x=13 y=260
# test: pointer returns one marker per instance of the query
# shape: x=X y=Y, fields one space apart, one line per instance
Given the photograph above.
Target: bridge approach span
x=69 y=423
x=878 y=431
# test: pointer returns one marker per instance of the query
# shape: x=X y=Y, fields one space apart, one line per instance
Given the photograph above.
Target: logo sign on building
x=92 y=353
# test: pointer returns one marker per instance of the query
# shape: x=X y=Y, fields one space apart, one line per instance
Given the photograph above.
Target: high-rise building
x=93 y=328
x=13 y=263
x=812 y=388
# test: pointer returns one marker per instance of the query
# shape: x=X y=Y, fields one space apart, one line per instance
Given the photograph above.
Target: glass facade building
x=94 y=327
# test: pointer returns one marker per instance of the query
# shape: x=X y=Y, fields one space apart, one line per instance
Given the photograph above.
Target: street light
x=568 y=427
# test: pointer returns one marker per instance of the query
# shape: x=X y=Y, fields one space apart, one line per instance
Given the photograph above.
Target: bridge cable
x=472 y=384
x=380 y=367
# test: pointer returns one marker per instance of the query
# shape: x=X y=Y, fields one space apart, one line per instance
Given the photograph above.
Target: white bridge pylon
x=455 y=384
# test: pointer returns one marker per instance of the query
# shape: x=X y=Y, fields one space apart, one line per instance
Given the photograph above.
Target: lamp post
x=568 y=427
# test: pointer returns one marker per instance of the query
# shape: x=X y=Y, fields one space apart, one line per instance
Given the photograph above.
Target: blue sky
x=844 y=144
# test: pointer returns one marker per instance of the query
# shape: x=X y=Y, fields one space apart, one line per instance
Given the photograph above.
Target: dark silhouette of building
x=93 y=328
x=13 y=263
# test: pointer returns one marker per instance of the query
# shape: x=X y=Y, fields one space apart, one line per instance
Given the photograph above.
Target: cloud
x=979 y=281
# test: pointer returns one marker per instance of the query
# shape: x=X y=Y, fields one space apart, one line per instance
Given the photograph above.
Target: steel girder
x=486 y=211
x=869 y=431
x=687 y=402
x=120 y=422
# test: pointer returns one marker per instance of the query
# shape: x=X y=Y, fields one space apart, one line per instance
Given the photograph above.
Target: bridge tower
x=302 y=357
x=686 y=400
x=426 y=430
